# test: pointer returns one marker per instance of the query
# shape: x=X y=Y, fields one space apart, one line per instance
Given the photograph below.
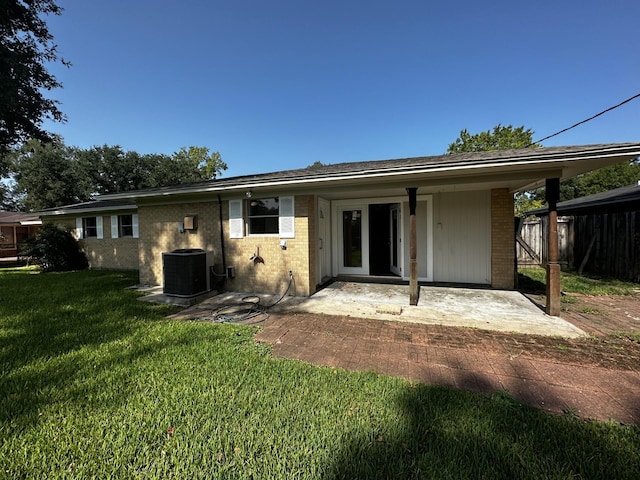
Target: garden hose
x=249 y=311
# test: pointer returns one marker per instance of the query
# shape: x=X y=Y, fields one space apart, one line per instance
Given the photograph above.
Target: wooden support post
x=553 y=265
x=414 y=291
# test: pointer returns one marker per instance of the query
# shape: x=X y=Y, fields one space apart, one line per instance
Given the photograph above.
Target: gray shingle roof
x=17 y=217
x=629 y=196
x=99 y=204
x=395 y=166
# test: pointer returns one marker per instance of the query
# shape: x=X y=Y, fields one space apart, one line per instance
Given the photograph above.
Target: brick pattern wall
x=105 y=253
x=159 y=233
x=272 y=276
x=502 y=239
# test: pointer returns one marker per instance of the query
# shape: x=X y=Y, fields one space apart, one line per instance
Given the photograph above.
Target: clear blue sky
x=279 y=84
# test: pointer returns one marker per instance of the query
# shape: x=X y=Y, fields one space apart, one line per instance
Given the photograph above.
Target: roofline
x=67 y=211
x=540 y=157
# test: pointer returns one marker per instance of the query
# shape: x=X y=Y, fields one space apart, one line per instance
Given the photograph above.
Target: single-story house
x=446 y=218
x=15 y=229
x=106 y=229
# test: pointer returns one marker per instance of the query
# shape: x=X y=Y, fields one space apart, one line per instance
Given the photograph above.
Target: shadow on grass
x=526 y=284
x=450 y=434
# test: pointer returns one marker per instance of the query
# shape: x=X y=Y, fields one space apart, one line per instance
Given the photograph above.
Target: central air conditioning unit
x=185 y=272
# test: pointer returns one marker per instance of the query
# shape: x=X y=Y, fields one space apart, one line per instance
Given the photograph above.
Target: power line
x=588 y=119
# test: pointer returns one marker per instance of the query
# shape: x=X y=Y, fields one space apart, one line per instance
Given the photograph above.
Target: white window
x=124 y=225
x=265 y=216
x=89 y=227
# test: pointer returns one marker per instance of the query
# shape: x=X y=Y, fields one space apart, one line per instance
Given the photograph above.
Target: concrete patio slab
x=500 y=310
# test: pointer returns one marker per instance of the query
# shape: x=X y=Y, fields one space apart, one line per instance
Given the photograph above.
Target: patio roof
x=514 y=169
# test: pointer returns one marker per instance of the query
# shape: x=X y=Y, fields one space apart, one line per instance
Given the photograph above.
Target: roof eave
x=608 y=155
x=68 y=211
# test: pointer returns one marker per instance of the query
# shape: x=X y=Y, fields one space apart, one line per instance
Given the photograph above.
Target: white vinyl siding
x=462 y=237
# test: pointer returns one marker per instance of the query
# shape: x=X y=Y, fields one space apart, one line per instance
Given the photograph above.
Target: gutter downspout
x=224 y=261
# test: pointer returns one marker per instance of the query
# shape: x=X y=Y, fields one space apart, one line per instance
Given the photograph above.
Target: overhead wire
x=586 y=120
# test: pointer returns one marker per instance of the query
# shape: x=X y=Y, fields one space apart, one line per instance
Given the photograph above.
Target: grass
x=94 y=384
x=533 y=279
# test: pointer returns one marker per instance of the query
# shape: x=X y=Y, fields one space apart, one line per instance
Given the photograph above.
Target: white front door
x=353 y=244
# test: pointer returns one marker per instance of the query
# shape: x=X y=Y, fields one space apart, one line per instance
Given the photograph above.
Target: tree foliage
x=52 y=174
x=501 y=138
x=47 y=175
x=26 y=47
x=601 y=180
x=199 y=163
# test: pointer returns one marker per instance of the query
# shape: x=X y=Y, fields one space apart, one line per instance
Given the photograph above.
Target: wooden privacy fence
x=608 y=244
x=604 y=244
x=531 y=241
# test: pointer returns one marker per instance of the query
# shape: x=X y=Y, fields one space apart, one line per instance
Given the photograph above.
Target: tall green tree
x=203 y=165
x=47 y=175
x=26 y=48
x=601 y=180
x=110 y=169
x=501 y=138
x=52 y=174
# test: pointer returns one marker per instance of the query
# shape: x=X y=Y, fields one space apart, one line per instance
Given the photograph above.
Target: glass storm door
x=353 y=240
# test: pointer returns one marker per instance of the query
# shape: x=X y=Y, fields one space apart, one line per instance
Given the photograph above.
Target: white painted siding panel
x=462 y=237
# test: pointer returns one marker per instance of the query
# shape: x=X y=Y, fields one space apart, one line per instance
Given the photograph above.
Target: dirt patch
x=599 y=315
x=612 y=321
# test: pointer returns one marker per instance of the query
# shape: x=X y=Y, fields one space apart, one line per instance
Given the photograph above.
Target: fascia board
x=120 y=208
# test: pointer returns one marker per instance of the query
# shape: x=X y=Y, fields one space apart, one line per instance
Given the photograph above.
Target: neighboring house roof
x=19 y=218
x=91 y=206
x=514 y=169
x=619 y=199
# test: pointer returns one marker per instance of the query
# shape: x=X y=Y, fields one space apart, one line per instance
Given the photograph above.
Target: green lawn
x=94 y=384
x=534 y=279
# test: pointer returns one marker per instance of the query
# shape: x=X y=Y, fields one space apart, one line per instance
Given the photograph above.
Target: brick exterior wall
x=502 y=239
x=159 y=233
x=104 y=253
x=272 y=276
